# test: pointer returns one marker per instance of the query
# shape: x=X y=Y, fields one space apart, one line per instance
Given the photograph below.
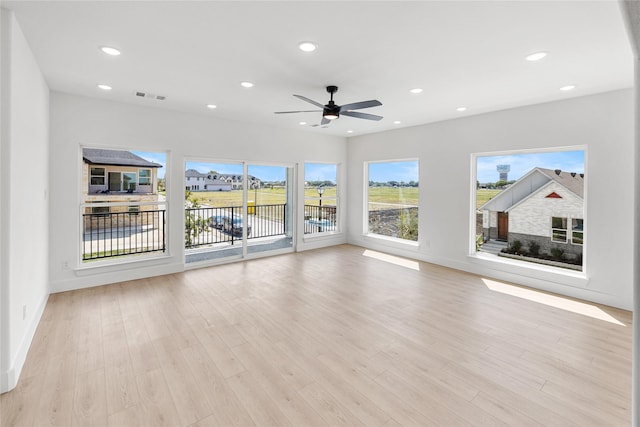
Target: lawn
x=484 y=195
x=274 y=196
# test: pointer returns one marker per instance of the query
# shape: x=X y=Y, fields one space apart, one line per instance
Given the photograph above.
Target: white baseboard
x=9 y=378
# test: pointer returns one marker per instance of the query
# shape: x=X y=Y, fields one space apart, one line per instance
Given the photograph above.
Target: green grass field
x=267 y=196
x=484 y=195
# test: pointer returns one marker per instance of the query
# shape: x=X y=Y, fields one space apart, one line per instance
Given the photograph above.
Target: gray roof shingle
x=99 y=156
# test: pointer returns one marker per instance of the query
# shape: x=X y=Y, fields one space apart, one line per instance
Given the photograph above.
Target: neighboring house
x=198 y=181
x=117 y=176
x=117 y=172
x=544 y=206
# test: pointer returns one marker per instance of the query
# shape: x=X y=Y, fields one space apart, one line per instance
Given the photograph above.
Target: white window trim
x=565 y=230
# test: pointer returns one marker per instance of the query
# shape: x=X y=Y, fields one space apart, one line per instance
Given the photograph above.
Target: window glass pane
x=393 y=199
x=144 y=177
x=557 y=222
x=529 y=206
x=112 y=230
x=320 y=198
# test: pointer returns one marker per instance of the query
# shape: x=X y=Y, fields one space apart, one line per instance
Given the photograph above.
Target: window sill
x=532 y=270
x=394 y=241
x=93 y=267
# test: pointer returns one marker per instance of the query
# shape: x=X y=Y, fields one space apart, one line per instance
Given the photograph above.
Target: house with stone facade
x=545 y=206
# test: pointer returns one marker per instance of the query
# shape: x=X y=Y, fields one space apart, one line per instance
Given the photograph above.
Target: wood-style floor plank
x=323 y=338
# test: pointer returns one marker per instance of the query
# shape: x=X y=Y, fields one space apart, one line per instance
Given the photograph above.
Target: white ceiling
x=462 y=53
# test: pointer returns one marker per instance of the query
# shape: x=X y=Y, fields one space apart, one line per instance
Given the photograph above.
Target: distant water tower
x=503 y=170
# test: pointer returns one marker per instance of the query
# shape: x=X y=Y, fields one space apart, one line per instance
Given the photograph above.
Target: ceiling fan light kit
x=332 y=111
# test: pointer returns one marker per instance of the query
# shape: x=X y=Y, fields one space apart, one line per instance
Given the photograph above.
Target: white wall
x=603 y=123
x=24 y=211
x=77 y=121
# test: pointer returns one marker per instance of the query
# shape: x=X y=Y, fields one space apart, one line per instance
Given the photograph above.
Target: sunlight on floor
x=567 y=304
x=402 y=262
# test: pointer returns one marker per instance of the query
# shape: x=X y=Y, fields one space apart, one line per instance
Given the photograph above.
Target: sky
x=568 y=161
x=320 y=172
x=155 y=157
x=394 y=171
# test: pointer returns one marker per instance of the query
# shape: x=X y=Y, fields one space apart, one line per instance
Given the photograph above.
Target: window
x=530 y=207
x=392 y=199
x=128 y=181
x=97 y=176
x=320 y=198
x=111 y=229
x=100 y=209
x=559 y=229
x=144 y=177
x=577 y=231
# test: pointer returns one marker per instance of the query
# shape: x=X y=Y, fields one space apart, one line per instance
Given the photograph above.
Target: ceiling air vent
x=149 y=95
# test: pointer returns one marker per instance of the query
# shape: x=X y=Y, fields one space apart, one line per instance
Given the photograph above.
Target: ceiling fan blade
x=361 y=115
x=324 y=122
x=360 y=105
x=310 y=101
x=301 y=111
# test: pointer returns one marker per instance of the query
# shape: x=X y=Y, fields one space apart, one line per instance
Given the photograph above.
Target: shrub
x=557 y=253
x=534 y=248
x=516 y=245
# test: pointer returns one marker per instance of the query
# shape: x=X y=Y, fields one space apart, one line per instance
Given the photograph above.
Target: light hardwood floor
x=329 y=337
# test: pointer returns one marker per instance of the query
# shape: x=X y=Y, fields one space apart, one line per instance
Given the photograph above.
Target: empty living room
x=355 y=213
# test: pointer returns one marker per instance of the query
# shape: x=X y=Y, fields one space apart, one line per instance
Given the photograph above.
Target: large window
x=320 y=198
x=118 y=221
x=392 y=199
x=530 y=206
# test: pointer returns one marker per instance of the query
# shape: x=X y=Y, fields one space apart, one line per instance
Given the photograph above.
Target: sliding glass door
x=269 y=208
x=235 y=210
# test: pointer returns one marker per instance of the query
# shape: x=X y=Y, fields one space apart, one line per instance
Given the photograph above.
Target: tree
x=193 y=223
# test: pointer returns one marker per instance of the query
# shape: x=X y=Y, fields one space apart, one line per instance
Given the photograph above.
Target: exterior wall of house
x=489 y=225
x=89 y=189
x=531 y=220
x=533 y=216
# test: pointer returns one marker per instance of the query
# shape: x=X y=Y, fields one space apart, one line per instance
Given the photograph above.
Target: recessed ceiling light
x=535 y=56
x=212 y=106
x=349 y=131
x=302 y=123
x=104 y=87
x=110 y=50
x=568 y=87
x=416 y=90
x=397 y=122
x=461 y=109
x=307 y=46
x=246 y=84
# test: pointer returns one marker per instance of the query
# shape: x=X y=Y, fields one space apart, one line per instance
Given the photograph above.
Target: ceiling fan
x=332 y=111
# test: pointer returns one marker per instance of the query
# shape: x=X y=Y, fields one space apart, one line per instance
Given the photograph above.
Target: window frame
x=565 y=222
x=140 y=177
x=94 y=175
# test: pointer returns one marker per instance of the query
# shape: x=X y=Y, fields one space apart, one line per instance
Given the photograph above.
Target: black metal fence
x=319 y=219
x=112 y=234
x=207 y=226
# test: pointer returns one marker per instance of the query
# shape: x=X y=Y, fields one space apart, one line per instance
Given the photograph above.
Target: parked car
x=216 y=222
x=234 y=226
